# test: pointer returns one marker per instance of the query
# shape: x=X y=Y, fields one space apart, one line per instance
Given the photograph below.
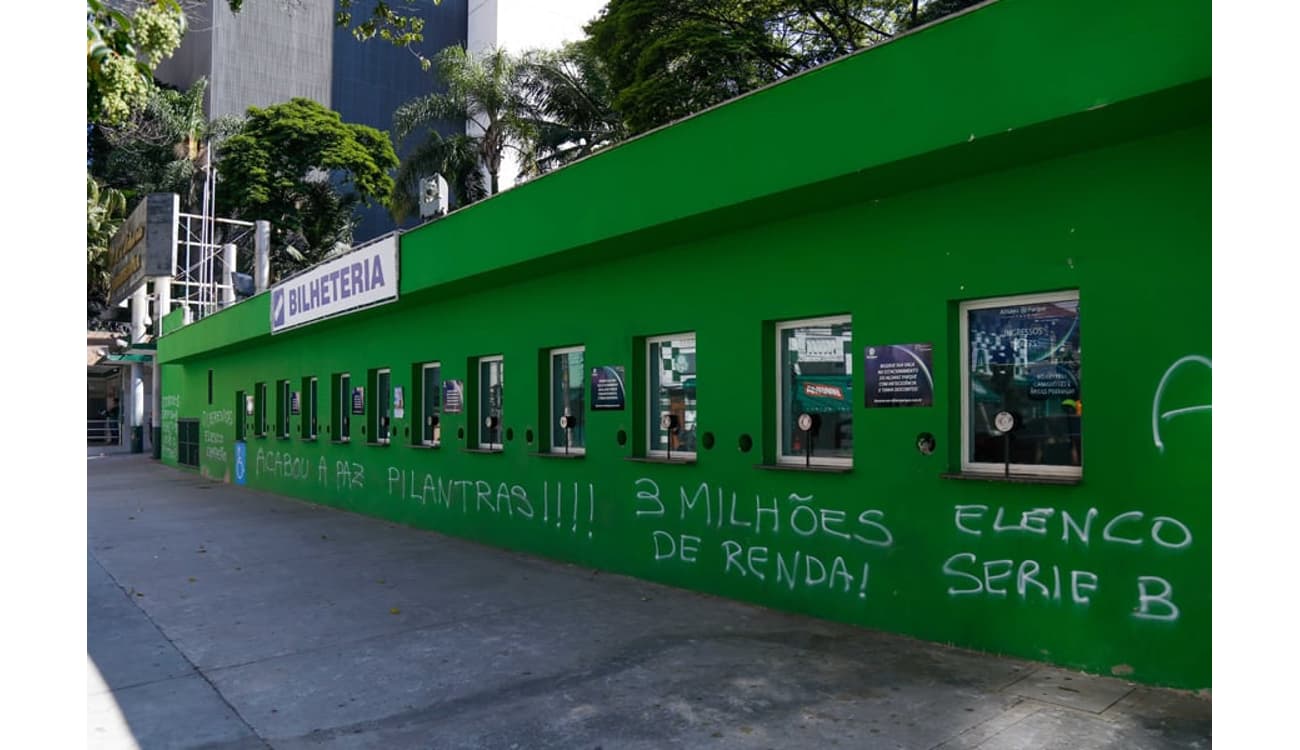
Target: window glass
x=241 y=415
x=383 y=401
x=431 y=404
x=283 y=397
x=1022 y=357
x=342 y=407
x=816 y=390
x=490 y=391
x=309 y=406
x=259 y=410
x=671 y=361
x=568 y=400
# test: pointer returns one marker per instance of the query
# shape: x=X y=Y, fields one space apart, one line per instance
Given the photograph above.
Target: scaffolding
x=204 y=276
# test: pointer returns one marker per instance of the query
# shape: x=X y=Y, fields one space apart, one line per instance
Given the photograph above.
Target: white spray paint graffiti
x=213 y=440
x=342 y=476
x=1028 y=579
x=566 y=506
x=1156 y=416
x=719 y=508
x=169 y=412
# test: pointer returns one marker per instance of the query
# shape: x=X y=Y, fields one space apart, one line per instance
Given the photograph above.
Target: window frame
x=284 y=396
x=430 y=441
x=984 y=468
x=241 y=415
x=381 y=396
x=260 y=409
x=480 y=393
x=778 y=367
x=651 y=399
x=310 y=394
x=550 y=410
x=343 y=402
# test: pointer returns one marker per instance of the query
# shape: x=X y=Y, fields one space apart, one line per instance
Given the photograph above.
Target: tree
x=486 y=90
x=571 y=108
x=298 y=165
x=117 y=81
x=162 y=148
x=105 y=211
x=668 y=59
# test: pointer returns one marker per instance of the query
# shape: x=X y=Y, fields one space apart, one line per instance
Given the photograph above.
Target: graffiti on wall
x=215 y=447
x=564 y=506
x=746 y=526
x=1031 y=580
x=170 y=438
x=1158 y=416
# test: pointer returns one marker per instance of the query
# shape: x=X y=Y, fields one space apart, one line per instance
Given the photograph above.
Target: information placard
x=608 y=392
x=900 y=375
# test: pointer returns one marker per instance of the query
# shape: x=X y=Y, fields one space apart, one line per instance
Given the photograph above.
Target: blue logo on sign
x=241 y=461
x=277 y=308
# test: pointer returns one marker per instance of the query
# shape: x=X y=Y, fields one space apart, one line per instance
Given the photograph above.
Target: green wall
x=1112 y=201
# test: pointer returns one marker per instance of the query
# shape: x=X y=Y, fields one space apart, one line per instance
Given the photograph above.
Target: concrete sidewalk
x=224 y=617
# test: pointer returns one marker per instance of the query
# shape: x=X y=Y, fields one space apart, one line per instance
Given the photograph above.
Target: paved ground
x=223 y=617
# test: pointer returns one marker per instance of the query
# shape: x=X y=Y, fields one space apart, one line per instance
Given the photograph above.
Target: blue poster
x=241 y=462
x=359 y=400
x=900 y=375
x=608 y=391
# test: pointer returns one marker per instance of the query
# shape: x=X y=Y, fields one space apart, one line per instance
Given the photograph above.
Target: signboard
x=295 y=402
x=900 y=375
x=364 y=277
x=453 y=396
x=399 y=403
x=241 y=462
x=144 y=246
x=607 y=388
x=359 y=400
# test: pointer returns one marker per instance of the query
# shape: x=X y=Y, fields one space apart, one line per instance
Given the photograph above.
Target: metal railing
x=103 y=431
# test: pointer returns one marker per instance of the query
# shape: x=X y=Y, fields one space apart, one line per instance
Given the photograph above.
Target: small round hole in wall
x=528 y=436
x=707 y=441
x=621 y=437
x=746 y=443
x=460 y=434
x=510 y=433
x=925 y=443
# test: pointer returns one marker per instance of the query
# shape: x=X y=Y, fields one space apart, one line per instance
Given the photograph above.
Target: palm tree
x=162 y=148
x=485 y=91
x=570 y=97
x=105 y=210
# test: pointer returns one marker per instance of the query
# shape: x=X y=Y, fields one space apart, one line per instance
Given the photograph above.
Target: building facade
x=845 y=379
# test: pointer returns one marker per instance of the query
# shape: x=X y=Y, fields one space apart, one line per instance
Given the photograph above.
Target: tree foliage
x=571 y=109
x=163 y=147
x=485 y=90
x=105 y=211
x=122 y=51
x=669 y=59
x=298 y=165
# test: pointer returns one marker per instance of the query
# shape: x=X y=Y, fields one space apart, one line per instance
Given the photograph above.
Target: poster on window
x=900 y=375
x=1026 y=352
x=359 y=400
x=608 y=392
x=453 y=396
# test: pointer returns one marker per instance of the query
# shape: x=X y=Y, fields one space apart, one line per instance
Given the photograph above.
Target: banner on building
x=144 y=246
x=363 y=278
